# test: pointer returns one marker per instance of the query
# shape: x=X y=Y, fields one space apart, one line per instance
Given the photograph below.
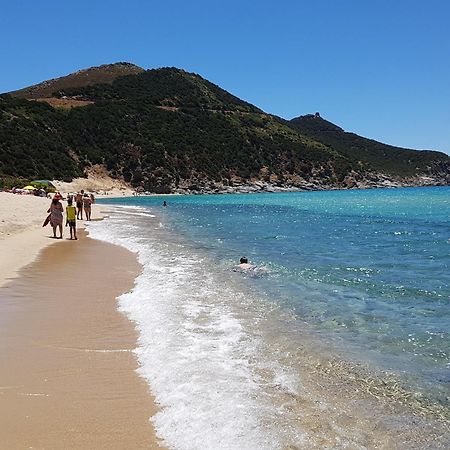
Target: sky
x=378 y=68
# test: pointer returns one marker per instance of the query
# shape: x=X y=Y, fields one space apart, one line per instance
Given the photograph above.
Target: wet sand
x=67 y=376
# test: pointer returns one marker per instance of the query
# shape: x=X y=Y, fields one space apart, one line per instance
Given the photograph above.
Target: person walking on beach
x=71 y=219
x=56 y=215
x=79 y=203
x=87 y=202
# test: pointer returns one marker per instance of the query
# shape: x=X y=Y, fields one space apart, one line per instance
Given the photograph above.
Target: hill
x=168 y=130
x=370 y=153
x=104 y=74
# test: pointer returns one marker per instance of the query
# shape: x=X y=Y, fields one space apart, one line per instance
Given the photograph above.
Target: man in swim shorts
x=79 y=203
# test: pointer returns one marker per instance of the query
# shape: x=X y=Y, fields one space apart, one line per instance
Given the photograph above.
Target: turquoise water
x=366 y=272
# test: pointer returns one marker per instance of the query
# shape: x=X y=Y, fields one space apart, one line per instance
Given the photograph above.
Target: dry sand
x=67 y=371
x=22 y=236
x=97 y=181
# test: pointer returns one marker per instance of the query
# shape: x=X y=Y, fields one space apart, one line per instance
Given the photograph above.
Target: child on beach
x=71 y=219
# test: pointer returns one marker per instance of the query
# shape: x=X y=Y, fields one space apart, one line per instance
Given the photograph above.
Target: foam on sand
x=195 y=349
x=232 y=368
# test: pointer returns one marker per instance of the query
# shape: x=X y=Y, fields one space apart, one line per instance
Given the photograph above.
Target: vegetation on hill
x=371 y=154
x=32 y=142
x=166 y=87
x=165 y=128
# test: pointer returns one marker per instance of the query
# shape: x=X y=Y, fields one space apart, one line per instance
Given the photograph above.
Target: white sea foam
x=199 y=355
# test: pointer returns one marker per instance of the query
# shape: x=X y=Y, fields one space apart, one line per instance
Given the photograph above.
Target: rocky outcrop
x=241 y=186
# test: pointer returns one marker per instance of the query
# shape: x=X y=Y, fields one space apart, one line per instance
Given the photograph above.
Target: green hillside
x=372 y=154
x=166 y=128
x=33 y=144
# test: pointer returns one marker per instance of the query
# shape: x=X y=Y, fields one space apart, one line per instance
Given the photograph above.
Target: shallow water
x=341 y=341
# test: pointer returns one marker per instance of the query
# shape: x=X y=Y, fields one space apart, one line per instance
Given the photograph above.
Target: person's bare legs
x=60 y=231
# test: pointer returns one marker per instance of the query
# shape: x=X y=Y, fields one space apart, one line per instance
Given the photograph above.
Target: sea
x=339 y=337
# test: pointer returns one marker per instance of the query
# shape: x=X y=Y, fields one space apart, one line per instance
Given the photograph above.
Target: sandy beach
x=67 y=372
x=21 y=233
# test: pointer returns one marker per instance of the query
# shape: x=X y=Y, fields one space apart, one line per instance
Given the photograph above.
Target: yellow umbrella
x=29 y=188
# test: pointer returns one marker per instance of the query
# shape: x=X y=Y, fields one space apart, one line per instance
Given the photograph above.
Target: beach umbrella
x=29 y=188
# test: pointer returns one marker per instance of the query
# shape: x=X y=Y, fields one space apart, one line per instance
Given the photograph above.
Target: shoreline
x=347 y=387
x=267 y=188
x=68 y=376
x=99 y=352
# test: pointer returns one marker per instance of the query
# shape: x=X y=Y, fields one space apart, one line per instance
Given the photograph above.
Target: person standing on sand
x=87 y=202
x=71 y=219
x=56 y=215
x=79 y=203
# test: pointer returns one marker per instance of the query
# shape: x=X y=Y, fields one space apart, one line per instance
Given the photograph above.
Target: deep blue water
x=368 y=269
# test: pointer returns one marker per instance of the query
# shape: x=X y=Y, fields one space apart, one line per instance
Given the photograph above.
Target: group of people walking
x=83 y=202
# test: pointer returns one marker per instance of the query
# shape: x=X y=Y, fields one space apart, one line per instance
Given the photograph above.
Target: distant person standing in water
x=164 y=203
x=87 y=202
x=56 y=215
x=79 y=203
x=71 y=219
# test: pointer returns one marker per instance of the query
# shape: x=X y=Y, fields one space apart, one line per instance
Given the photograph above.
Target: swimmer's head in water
x=243 y=261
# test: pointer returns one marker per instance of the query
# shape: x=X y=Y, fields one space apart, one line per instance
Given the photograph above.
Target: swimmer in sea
x=244 y=266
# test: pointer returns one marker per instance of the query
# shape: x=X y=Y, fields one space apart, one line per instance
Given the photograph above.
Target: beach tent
x=29 y=188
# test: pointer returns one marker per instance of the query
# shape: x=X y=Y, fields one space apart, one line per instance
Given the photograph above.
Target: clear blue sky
x=376 y=67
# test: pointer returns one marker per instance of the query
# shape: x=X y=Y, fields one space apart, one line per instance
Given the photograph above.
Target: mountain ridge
x=106 y=73
x=168 y=130
x=350 y=144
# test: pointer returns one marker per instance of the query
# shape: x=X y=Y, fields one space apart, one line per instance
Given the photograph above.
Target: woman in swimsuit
x=56 y=216
x=87 y=206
